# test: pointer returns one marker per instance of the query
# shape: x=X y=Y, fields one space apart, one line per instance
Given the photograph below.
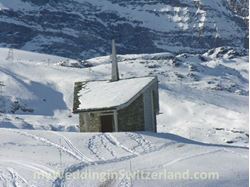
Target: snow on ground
x=202 y=126
x=26 y=155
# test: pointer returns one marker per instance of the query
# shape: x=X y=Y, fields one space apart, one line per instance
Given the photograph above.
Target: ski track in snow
x=30 y=165
x=106 y=140
x=231 y=151
x=16 y=177
x=125 y=182
x=114 y=141
x=99 y=141
x=142 y=142
x=46 y=141
x=9 y=177
x=73 y=148
x=190 y=156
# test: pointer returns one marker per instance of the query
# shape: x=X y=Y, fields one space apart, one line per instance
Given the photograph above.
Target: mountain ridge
x=84 y=28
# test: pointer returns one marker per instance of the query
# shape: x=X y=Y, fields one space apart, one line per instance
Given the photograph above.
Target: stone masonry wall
x=131 y=118
x=90 y=122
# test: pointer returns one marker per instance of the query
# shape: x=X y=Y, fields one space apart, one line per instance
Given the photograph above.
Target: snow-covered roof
x=98 y=95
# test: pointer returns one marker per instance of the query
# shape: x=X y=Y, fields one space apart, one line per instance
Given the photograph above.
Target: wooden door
x=107 y=123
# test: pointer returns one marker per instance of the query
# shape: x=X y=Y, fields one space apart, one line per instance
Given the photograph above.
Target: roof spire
x=115 y=71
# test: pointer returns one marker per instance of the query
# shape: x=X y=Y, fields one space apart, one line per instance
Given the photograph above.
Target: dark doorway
x=107 y=123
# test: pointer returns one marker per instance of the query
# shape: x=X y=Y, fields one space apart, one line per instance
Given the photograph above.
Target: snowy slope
x=202 y=126
x=202 y=97
x=24 y=153
x=84 y=28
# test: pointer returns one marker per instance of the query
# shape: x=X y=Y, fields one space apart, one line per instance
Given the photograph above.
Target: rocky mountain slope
x=84 y=28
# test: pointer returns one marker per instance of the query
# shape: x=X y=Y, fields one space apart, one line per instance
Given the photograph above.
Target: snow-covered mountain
x=198 y=50
x=84 y=28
